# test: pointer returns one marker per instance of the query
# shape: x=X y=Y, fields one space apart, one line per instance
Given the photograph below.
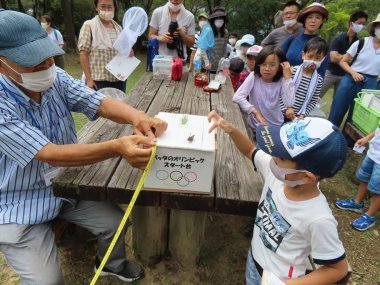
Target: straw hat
x=370 y=25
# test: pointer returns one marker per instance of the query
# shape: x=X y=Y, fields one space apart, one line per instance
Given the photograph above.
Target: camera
x=173 y=26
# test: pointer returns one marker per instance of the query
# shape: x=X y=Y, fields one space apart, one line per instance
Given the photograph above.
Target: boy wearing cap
x=205 y=42
x=37 y=134
x=293 y=218
x=252 y=54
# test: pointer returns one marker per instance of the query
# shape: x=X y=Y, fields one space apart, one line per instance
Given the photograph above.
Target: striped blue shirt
x=25 y=128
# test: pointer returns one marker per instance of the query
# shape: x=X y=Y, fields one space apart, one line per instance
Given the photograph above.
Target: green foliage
x=339 y=15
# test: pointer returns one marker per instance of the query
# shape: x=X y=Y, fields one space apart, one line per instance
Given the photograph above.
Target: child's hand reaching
x=286 y=70
x=289 y=113
x=219 y=122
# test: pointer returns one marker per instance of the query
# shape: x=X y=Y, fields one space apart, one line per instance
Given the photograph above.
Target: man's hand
x=135 y=149
x=219 y=122
x=148 y=126
x=166 y=38
x=131 y=53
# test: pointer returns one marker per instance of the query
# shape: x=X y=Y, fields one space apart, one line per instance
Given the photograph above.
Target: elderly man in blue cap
x=37 y=134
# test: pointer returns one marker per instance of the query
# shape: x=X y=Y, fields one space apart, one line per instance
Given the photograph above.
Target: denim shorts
x=252 y=276
x=369 y=172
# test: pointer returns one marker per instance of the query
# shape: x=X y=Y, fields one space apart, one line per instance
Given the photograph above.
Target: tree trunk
x=3 y=4
x=20 y=6
x=68 y=24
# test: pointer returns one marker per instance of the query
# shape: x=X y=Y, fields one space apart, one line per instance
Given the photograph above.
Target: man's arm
x=324 y=275
x=335 y=57
x=122 y=113
x=153 y=34
x=129 y=147
x=186 y=39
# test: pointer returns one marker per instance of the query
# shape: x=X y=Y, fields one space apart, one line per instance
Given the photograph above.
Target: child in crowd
x=204 y=42
x=369 y=175
x=307 y=81
x=293 y=218
x=252 y=54
x=270 y=81
x=231 y=46
x=235 y=69
x=243 y=45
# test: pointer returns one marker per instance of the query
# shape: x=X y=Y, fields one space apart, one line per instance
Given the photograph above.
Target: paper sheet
x=121 y=66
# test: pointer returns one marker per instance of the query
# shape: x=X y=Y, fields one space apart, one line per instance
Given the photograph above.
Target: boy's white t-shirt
x=286 y=232
x=374 y=147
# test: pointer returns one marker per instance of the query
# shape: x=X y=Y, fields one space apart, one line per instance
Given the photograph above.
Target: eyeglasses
x=289 y=13
x=269 y=66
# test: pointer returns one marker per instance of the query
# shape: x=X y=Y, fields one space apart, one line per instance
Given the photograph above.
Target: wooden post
x=186 y=234
x=150 y=233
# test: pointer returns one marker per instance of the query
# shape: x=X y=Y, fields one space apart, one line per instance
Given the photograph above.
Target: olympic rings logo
x=176 y=177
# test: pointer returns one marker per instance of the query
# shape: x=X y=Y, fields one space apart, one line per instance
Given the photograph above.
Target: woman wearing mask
x=56 y=36
x=362 y=69
x=95 y=44
x=218 y=20
x=312 y=19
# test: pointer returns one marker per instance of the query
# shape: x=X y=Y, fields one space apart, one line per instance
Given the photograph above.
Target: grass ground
x=222 y=258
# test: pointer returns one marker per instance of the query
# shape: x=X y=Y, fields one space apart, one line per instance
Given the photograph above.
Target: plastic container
x=363 y=117
x=223 y=70
x=162 y=67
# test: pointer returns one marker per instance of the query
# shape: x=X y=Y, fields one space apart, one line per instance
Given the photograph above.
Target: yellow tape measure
x=125 y=218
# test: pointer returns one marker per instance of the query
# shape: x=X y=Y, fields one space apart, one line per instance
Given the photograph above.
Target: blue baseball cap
x=315 y=144
x=23 y=40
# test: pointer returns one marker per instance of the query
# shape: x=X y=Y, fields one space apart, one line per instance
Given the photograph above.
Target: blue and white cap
x=315 y=144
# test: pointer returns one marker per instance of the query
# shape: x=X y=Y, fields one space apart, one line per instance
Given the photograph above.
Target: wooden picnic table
x=161 y=220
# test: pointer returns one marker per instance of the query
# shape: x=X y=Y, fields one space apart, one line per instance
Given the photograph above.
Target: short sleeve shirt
x=340 y=44
x=25 y=128
x=286 y=232
x=185 y=20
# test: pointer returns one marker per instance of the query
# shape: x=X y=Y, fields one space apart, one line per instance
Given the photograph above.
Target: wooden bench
x=165 y=221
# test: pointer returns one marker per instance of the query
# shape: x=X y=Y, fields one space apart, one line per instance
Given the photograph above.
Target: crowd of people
x=278 y=84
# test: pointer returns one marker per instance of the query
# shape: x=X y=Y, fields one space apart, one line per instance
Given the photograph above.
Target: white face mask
x=377 y=33
x=312 y=64
x=290 y=23
x=280 y=173
x=37 y=81
x=202 y=23
x=175 y=7
x=219 y=23
x=44 y=26
x=106 y=15
x=232 y=41
x=356 y=28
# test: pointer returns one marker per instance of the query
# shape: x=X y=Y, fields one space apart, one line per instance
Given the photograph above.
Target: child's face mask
x=202 y=23
x=280 y=174
x=312 y=64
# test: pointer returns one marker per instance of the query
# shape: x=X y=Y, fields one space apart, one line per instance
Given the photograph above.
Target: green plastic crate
x=365 y=119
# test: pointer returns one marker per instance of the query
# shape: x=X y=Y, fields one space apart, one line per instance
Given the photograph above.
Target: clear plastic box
x=162 y=67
